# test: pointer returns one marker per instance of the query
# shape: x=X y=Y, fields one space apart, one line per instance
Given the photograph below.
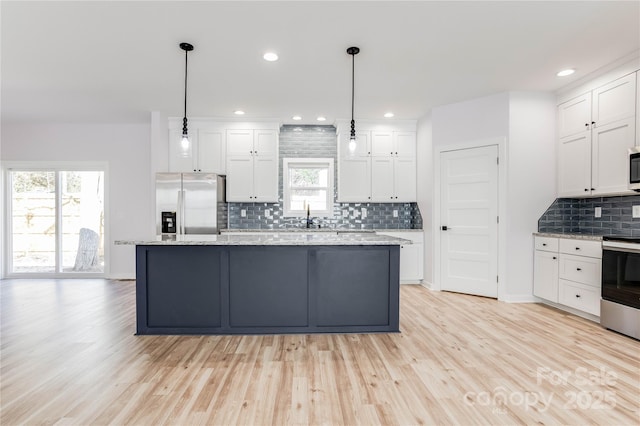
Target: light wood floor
x=69 y=356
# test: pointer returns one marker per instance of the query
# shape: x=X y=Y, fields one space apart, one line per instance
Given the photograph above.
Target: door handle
x=444 y=228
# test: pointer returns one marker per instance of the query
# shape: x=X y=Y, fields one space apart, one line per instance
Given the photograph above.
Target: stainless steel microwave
x=634 y=168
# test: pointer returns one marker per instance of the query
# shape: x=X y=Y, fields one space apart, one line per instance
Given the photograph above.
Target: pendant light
x=185 y=143
x=353 y=51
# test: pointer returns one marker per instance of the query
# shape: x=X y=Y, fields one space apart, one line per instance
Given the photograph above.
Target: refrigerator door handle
x=183 y=201
x=179 y=213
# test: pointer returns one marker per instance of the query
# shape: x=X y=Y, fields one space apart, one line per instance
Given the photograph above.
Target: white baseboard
x=124 y=276
x=519 y=298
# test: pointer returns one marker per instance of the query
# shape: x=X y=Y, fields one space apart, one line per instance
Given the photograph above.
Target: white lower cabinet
x=568 y=272
x=579 y=296
x=411 y=255
x=545 y=275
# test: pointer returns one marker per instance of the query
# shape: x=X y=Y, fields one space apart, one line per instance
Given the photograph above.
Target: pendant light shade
x=185 y=142
x=353 y=51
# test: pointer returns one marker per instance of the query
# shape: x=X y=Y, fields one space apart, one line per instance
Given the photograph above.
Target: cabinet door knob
x=578 y=269
x=593 y=123
x=578 y=296
x=396 y=153
x=593 y=189
x=586 y=124
x=554 y=258
x=577 y=248
x=586 y=190
x=544 y=244
x=444 y=228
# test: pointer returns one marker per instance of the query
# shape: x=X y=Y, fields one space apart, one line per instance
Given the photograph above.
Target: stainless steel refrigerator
x=190 y=203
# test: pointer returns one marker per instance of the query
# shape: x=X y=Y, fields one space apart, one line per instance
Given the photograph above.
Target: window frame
x=287 y=164
x=7 y=167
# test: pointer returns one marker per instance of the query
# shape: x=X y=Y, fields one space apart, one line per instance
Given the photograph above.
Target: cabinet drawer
x=581 y=247
x=581 y=269
x=578 y=296
x=546 y=243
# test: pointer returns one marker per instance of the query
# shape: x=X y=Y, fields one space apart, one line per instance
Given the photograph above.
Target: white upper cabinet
x=574 y=165
x=211 y=151
x=206 y=152
x=574 y=116
x=610 y=160
x=354 y=179
x=595 y=131
x=382 y=144
x=615 y=101
x=382 y=168
x=638 y=108
x=252 y=165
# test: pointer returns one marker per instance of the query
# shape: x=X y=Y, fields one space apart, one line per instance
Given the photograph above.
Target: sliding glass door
x=56 y=222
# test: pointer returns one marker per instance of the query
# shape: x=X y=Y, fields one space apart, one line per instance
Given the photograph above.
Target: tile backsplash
x=577 y=216
x=311 y=141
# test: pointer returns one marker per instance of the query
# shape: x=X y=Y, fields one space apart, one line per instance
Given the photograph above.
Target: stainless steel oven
x=620 y=304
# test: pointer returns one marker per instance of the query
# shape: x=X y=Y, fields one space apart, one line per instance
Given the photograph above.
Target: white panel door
x=615 y=101
x=363 y=148
x=574 y=168
x=610 y=158
x=239 y=142
x=382 y=179
x=265 y=179
x=382 y=143
x=211 y=151
x=574 y=116
x=404 y=179
x=469 y=229
x=545 y=275
x=354 y=179
x=265 y=143
x=240 y=178
x=405 y=144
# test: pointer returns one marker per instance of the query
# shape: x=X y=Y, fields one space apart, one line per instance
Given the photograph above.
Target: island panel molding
x=261 y=289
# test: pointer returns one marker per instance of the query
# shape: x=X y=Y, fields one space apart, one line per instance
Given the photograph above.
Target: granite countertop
x=320 y=230
x=288 y=239
x=569 y=236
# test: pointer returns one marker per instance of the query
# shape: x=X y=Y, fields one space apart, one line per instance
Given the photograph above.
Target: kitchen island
x=268 y=284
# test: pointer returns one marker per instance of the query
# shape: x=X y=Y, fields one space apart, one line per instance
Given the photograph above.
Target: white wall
x=531 y=185
x=126 y=149
x=424 y=164
x=527 y=122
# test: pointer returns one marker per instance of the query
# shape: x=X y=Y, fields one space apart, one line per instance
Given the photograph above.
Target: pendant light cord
x=184 y=120
x=353 y=73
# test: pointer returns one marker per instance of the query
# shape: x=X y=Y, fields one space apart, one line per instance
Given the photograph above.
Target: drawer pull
x=544 y=244
x=578 y=269
x=578 y=296
x=577 y=248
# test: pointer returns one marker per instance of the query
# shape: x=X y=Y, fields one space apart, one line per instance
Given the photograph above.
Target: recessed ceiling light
x=238 y=112
x=321 y=118
x=296 y=117
x=388 y=115
x=270 y=56
x=566 y=72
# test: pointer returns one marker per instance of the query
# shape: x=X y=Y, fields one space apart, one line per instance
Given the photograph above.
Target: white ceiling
x=86 y=61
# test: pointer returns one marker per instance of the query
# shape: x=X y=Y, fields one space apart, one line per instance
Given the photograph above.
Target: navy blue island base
x=214 y=289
